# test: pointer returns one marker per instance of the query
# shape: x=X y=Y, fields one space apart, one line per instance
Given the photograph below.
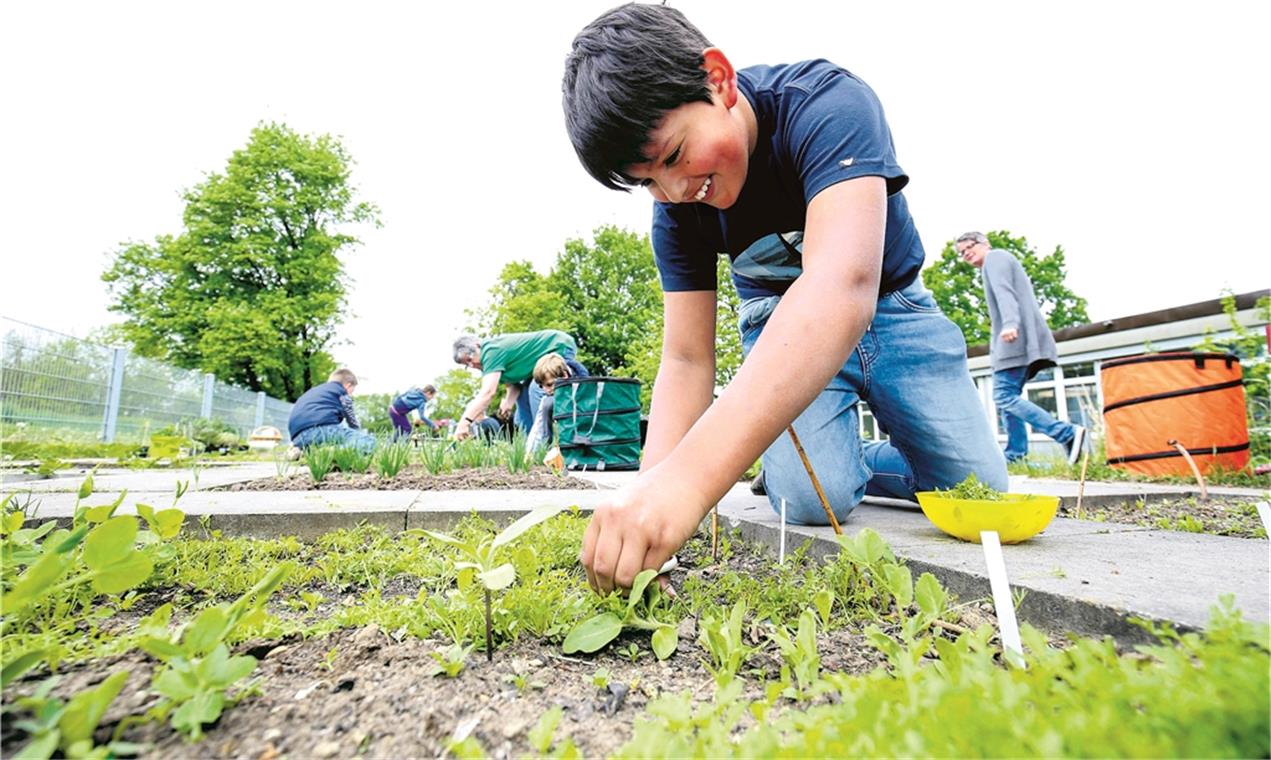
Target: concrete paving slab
x=1079 y=575
x=159 y=479
x=1102 y=493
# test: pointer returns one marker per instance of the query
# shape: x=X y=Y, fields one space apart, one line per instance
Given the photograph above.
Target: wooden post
x=807 y=465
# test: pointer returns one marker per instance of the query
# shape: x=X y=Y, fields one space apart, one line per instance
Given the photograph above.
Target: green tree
x=253 y=288
x=521 y=301
x=610 y=292
x=372 y=412
x=454 y=390
x=959 y=290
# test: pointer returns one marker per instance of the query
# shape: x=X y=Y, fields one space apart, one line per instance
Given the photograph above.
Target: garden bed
x=416 y=478
x=354 y=639
x=1220 y=515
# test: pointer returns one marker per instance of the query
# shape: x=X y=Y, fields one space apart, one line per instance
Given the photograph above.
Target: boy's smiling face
x=699 y=153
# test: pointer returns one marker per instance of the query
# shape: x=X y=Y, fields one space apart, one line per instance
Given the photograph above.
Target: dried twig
x=1204 y=490
x=807 y=465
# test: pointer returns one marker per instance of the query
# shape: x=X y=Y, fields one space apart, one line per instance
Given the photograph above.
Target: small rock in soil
x=367 y=637
x=269 y=753
x=272 y=735
x=688 y=629
x=345 y=684
x=306 y=691
x=326 y=749
x=617 y=695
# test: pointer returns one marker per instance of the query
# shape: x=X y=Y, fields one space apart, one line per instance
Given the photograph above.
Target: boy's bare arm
x=808 y=338
x=685 y=383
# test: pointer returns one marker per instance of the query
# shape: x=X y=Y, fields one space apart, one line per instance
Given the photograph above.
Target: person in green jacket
x=509 y=359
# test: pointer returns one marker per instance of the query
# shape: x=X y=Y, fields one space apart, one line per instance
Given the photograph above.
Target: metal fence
x=57 y=382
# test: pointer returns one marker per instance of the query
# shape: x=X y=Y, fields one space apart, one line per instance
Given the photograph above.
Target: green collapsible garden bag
x=598 y=422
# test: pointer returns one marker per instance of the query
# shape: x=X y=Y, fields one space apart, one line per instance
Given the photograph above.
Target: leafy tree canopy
x=959 y=289
x=607 y=295
x=253 y=288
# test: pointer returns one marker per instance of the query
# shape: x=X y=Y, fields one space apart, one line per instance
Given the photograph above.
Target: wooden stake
x=807 y=465
x=1081 y=484
x=1204 y=490
x=715 y=534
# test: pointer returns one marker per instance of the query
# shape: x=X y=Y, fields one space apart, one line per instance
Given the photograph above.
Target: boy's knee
x=803 y=504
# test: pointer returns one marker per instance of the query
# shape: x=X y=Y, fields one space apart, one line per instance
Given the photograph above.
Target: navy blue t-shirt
x=817 y=125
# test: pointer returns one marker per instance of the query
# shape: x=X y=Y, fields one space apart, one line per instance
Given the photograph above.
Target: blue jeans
x=1017 y=411
x=910 y=367
x=340 y=435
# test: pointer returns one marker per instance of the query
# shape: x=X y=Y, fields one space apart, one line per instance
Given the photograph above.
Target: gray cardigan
x=1013 y=304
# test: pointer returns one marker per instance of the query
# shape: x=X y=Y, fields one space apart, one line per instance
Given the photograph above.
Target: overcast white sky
x=1131 y=133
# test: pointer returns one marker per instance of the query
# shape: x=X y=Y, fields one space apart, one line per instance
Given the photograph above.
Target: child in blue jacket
x=413 y=400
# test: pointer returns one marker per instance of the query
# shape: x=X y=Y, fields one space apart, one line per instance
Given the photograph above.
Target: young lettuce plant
x=69 y=726
x=596 y=632
x=482 y=559
x=198 y=668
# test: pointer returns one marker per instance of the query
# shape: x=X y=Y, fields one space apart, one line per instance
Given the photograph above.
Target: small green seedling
x=597 y=632
x=320 y=460
x=449 y=661
x=198 y=668
x=972 y=488
x=70 y=726
x=600 y=679
x=328 y=659
x=631 y=651
x=482 y=559
x=722 y=639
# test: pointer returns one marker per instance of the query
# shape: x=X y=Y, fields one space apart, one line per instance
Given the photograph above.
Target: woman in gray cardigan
x=1021 y=345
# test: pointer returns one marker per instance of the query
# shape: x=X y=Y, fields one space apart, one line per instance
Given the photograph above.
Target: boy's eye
x=675 y=156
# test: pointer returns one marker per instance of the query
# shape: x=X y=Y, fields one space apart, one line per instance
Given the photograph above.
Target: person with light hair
x=1020 y=346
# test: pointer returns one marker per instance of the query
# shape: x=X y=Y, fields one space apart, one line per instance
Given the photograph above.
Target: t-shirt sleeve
x=685 y=260
x=836 y=131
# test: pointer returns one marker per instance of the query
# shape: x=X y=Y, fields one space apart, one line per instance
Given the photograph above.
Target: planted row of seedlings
x=435 y=457
x=124 y=635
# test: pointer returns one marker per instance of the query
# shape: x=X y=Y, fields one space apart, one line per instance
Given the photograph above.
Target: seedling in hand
x=595 y=633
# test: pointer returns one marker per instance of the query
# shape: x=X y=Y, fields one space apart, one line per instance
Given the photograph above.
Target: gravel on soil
x=1219 y=515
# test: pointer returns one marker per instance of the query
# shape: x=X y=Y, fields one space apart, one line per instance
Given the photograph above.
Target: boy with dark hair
x=324 y=414
x=789 y=170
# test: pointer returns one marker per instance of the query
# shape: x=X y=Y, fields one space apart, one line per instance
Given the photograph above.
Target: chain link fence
x=64 y=384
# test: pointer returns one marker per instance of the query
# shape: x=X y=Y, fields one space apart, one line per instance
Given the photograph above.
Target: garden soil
x=416 y=478
x=367 y=692
x=1219 y=515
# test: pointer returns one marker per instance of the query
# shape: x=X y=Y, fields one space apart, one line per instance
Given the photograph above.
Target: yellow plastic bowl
x=1018 y=517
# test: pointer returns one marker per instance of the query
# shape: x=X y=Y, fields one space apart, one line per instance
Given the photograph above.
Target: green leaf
x=168 y=523
x=12 y=522
x=36 y=581
x=72 y=540
x=175 y=685
x=85 y=710
x=540 y=737
x=499 y=578
x=638 y=585
x=445 y=539
x=21 y=664
x=99 y=514
x=220 y=670
x=525 y=522
x=131 y=572
x=203 y=708
x=86 y=487
x=931 y=596
x=665 y=639
x=147 y=513
x=824 y=601
x=161 y=648
x=110 y=542
x=207 y=631
x=40 y=748
x=593 y=634
x=900 y=583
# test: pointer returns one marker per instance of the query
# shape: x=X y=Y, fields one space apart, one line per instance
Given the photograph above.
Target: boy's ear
x=721 y=78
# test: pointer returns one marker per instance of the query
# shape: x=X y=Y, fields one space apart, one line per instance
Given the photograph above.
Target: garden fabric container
x=598 y=422
x=1196 y=399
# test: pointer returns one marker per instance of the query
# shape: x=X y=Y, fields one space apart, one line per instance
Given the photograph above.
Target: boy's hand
x=640 y=527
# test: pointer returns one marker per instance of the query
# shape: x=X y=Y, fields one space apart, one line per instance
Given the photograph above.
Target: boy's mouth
x=701 y=193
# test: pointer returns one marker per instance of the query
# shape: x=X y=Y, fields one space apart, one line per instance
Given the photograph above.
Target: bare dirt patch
x=416 y=478
x=1219 y=515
